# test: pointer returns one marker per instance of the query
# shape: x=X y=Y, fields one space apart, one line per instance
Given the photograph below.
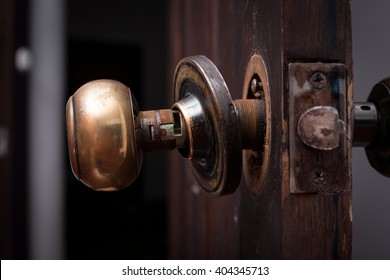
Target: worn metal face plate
x=317 y=127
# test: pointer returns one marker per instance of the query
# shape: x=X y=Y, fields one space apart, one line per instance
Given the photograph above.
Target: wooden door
x=277 y=224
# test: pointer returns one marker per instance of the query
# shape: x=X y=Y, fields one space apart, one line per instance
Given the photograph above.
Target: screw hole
x=365 y=108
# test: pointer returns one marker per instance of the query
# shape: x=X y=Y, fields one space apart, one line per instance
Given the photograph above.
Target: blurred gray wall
x=371 y=191
x=46 y=123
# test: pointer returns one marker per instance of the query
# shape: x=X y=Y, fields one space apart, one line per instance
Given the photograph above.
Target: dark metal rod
x=365 y=123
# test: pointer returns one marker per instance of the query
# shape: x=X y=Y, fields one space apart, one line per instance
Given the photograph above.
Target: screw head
x=318 y=80
x=254 y=85
x=256 y=88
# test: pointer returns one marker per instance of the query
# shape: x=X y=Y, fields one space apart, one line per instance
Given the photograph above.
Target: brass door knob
x=107 y=134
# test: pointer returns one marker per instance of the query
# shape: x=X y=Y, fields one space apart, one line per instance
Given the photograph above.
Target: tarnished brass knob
x=102 y=138
x=107 y=134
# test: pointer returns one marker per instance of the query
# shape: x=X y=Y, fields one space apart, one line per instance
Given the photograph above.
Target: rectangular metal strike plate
x=317 y=120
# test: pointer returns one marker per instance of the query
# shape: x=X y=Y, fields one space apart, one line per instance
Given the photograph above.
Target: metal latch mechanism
x=319 y=129
x=317 y=96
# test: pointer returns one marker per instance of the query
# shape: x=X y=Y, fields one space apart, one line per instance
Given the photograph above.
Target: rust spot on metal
x=326 y=131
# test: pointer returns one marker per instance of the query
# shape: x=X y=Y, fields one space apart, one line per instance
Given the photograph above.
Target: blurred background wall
x=45 y=211
x=371 y=191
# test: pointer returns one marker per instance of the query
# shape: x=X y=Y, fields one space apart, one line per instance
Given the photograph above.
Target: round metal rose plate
x=215 y=153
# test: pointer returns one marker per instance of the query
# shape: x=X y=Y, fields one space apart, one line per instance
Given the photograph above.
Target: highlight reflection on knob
x=102 y=141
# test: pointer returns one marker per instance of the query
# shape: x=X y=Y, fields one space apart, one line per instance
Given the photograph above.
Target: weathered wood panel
x=318 y=225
